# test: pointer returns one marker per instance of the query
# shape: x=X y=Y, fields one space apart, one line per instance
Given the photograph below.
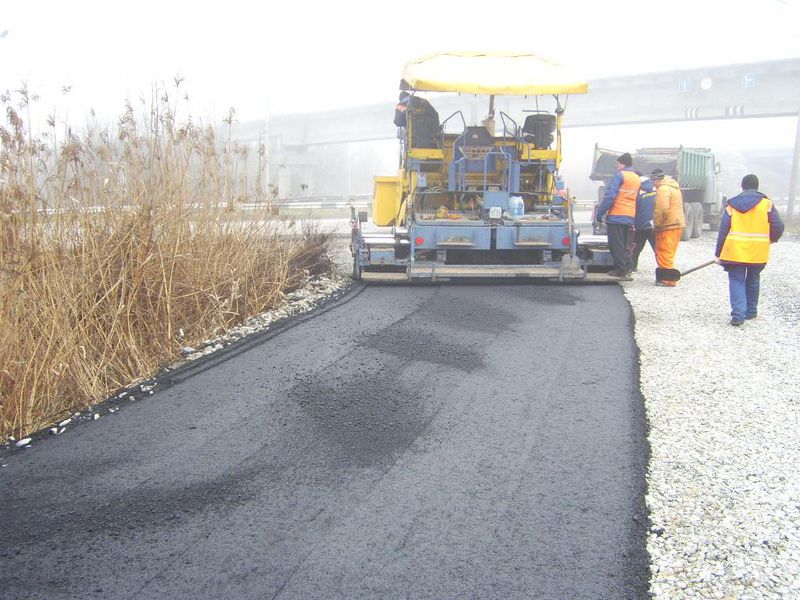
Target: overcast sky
x=298 y=56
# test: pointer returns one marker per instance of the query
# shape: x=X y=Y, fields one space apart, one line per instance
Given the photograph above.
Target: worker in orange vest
x=619 y=202
x=749 y=224
x=668 y=221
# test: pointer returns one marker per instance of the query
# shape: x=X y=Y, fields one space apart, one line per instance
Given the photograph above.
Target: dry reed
x=122 y=245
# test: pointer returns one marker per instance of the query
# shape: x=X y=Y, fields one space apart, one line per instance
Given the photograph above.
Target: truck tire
x=688 y=215
x=697 y=230
x=715 y=220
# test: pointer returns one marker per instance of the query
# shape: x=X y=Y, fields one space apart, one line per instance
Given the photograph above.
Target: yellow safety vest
x=748 y=239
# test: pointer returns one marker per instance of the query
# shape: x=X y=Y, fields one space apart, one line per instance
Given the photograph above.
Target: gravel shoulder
x=722 y=404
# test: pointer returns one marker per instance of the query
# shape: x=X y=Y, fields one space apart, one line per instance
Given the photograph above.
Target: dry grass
x=122 y=245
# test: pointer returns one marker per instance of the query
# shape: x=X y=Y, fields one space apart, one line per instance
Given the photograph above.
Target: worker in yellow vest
x=749 y=224
x=619 y=201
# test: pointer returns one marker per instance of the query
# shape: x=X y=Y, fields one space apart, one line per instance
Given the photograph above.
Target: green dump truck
x=695 y=170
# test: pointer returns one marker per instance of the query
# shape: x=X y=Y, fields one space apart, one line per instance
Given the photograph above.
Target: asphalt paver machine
x=477 y=197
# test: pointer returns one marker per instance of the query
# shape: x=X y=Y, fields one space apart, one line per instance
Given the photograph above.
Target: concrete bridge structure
x=304 y=149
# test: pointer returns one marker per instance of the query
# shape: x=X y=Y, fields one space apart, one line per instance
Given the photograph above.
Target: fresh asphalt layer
x=439 y=441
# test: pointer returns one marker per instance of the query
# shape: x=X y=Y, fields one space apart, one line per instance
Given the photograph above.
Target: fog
x=309 y=55
x=91 y=57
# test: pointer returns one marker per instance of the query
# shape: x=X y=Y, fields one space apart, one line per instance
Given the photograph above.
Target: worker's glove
x=718 y=260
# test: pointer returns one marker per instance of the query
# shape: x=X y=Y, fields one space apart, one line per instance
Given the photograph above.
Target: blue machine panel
x=602 y=258
x=440 y=237
x=381 y=256
x=514 y=175
x=532 y=236
x=491 y=199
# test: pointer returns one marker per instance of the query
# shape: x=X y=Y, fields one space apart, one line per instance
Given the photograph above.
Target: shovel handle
x=705 y=264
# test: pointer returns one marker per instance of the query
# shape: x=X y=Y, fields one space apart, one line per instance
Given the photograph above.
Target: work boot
x=748 y=317
x=737 y=322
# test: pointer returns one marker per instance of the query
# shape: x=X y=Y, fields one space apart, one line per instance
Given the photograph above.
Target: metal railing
x=357 y=200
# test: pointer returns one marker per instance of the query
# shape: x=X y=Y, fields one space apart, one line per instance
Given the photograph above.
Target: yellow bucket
x=385 y=200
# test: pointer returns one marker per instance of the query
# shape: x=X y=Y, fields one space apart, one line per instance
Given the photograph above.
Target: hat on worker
x=656 y=174
x=625 y=159
x=750 y=182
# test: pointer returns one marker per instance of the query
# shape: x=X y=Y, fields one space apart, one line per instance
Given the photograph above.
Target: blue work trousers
x=743 y=284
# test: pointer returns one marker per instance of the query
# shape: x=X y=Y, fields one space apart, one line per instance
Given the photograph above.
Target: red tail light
x=565 y=241
x=419 y=241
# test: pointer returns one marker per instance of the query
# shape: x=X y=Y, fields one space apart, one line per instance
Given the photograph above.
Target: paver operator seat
x=538 y=129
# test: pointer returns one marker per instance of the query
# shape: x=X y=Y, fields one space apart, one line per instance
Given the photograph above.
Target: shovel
x=675 y=275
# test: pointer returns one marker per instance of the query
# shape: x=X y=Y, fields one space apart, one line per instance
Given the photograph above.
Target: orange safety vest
x=625 y=202
x=748 y=239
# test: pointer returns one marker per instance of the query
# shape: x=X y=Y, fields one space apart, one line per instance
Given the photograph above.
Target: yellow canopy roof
x=509 y=74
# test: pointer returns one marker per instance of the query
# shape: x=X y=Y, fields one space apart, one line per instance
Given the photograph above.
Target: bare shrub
x=123 y=244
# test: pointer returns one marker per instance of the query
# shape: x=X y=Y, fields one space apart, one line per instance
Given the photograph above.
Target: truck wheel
x=697 y=230
x=688 y=215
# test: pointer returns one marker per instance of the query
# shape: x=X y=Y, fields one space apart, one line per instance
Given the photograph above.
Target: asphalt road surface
x=440 y=441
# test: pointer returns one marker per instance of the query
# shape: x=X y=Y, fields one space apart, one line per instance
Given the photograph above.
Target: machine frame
x=477 y=200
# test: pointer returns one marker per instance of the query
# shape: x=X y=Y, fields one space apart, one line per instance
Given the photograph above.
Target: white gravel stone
x=722 y=406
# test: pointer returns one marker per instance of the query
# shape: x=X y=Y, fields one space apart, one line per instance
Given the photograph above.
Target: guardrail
x=321 y=204
x=357 y=200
